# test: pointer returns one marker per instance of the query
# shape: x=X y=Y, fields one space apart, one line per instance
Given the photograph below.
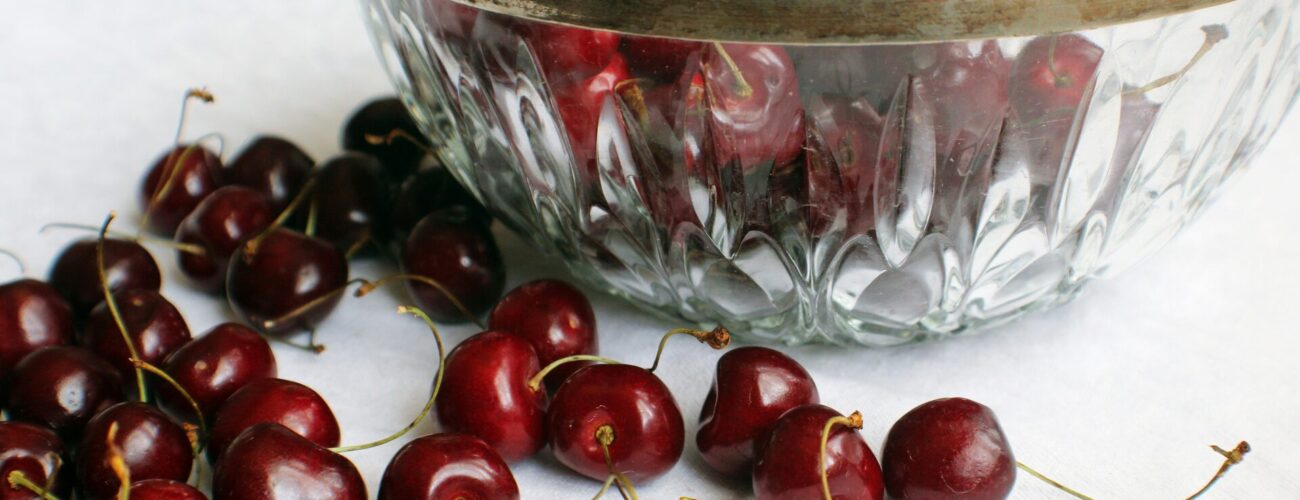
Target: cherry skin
x=270 y=462
x=152 y=445
x=755 y=111
x=36 y=452
x=752 y=388
x=191 y=177
x=164 y=489
x=128 y=265
x=948 y=448
x=840 y=164
x=580 y=103
x=554 y=317
x=649 y=433
x=400 y=158
x=285 y=272
x=427 y=192
x=568 y=52
x=485 y=394
x=219 y=225
x=273 y=167
x=290 y=404
x=350 y=201
x=32 y=315
x=214 y=366
x=1050 y=76
x=658 y=58
x=447 y=466
x=460 y=255
x=62 y=387
x=788 y=464
x=155 y=326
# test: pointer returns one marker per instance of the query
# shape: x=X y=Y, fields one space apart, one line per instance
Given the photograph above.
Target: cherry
x=554 y=317
x=379 y=118
x=217 y=227
x=178 y=181
x=152 y=446
x=658 y=58
x=32 y=315
x=36 y=454
x=128 y=265
x=948 y=448
x=752 y=388
x=840 y=166
x=273 y=167
x=447 y=466
x=350 y=202
x=814 y=452
x=580 y=101
x=284 y=280
x=462 y=257
x=293 y=405
x=154 y=325
x=485 y=393
x=568 y=52
x=455 y=20
x=1050 y=76
x=62 y=387
x=427 y=192
x=269 y=461
x=755 y=113
x=164 y=489
x=212 y=367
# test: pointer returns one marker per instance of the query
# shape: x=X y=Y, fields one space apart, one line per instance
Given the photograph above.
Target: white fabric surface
x=1118 y=394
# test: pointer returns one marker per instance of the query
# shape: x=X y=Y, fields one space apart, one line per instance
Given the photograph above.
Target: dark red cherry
x=62 y=387
x=274 y=400
x=659 y=58
x=460 y=255
x=840 y=163
x=186 y=174
x=455 y=20
x=351 y=201
x=271 y=462
x=156 y=328
x=164 y=489
x=788 y=465
x=38 y=454
x=752 y=388
x=756 y=117
x=400 y=157
x=1050 y=76
x=554 y=317
x=485 y=394
x=126 y=263
x=214 y=366
x=568 y=52
x=273 y=167
x=284 y=272
x=219 y=225
x=32 y=315
x=427 y=192
x=948 y=448
x=648 y=430
x=445 y=466
x=152 y=446
x=580 y=102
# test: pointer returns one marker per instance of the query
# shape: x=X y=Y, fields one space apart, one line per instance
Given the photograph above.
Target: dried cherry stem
x=1230 y=458
x=22 y=266
x=1214 y=34
x=395 y=134
x=19 y=480
x=535 y=383
x=118 y=464
x=437 y=384
x=1052 y=482
x=273 y=323
x=605 y=436
x=368 y=287
x=717 y=338
x=250 y=246
x=741 y=87
x=139 y=237
x=195 y=441
x=630 y=91
x=853 y=421
x=112 y=305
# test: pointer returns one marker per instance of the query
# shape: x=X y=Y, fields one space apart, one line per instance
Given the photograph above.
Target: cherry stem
x=437 y=384
x=198 y=412
x=311 y=345
x=535 y=382
x=250 y=247
x=741 y=87
x=1059 y=80
x=1230 y=458
x=630 y=91
x=853 y=421
x=1051 y=481
x=19 y=480
x=605 y=436
x=717 y=338
x=1214 y=34
x=360 y=244
x=312 y=217
x=118 y=464
x=201 y=94
x=139 y=238
x=273 y=323
x=22 y=266
x=112 y=305
x=368 y=287
x=395 y=134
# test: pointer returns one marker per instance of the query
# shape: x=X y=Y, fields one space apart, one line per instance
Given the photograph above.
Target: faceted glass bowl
x=859 y=194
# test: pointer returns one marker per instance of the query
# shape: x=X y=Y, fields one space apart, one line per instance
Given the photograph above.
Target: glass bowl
x=862 y=183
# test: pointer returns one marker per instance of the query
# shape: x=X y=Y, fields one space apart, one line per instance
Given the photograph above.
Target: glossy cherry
x=273 y=167
x=485 y=394
x=128 y=265
x=756 y=116
x=38 y=454
x=460 y=255
x=568 y=52
x=647 y=427
x=164 y=489
x=290 y=404
x=948 y=448
x=659 y=58
x=286 y=278
x=789 y=463
x=427 y=192
x=350 y=200
x=379 y=118
x=62 y=387
x=32 y=315
x=155 y=326
x=752 y=388
x=185 y=175
x=555 y=317
x=840 y=163
x=213 y=366
x=152 y=446
x=1051 y=75
x=580 y=102
x=218 y=226
x=445 y=466
x=270 y=462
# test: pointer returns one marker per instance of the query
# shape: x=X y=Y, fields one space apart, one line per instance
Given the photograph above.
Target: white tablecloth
x=1118 y=394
